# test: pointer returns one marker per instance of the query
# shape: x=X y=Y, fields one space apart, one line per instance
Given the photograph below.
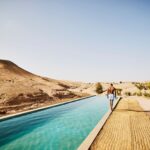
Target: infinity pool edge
x=41 y=108
x=85 y=145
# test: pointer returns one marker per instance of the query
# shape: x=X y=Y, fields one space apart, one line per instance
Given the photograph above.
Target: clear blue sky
x=83 y=40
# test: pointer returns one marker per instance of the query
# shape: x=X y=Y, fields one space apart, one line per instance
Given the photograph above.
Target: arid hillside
x=21 y=90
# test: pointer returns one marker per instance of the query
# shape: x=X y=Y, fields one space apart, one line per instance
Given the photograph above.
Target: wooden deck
x=128 y=128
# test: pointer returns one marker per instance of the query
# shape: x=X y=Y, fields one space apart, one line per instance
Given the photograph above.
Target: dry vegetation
x=21 y=90
x=143 y=90
x=99 y=88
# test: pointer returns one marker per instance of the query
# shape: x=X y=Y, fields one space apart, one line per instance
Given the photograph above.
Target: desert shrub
x=134 y=94
x=140 y=86
x=147 y=85
x=62 y=95
x=128 y=93
x=118 y=91
x=146 y=94
x=139 y=93
x=99 y=88
x=143 y=86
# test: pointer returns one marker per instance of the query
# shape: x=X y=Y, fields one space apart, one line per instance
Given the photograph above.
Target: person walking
x=111 y=95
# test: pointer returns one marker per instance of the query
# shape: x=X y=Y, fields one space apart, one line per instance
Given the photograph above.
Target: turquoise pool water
x=58 y=128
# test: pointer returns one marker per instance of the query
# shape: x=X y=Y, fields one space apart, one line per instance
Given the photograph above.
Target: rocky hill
x=21 y=90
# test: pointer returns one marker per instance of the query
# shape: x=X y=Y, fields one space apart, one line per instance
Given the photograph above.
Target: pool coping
x=41 y=108
x=85 y=145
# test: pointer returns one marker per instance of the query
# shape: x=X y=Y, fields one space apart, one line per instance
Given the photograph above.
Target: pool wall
x=41 y=108
x=85 y=145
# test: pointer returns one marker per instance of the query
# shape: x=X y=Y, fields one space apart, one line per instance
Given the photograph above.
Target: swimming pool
x=63 y=127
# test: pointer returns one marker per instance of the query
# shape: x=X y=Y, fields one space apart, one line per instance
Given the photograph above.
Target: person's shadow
x=132 y=110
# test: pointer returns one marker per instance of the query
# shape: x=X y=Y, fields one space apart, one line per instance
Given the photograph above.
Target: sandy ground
x=144 y=103
x=128 y=128
x=21 y=90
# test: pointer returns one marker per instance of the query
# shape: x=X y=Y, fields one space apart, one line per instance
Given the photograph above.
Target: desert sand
x=21 y=90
